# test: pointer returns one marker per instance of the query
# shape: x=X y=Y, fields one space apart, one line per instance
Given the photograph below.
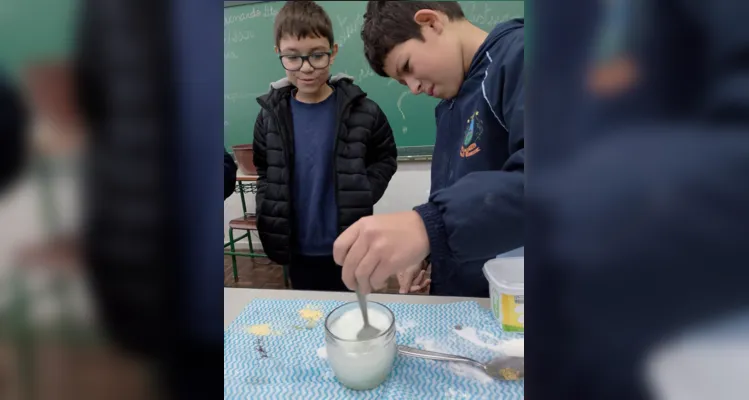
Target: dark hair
x=302 y=19
x=390 y=23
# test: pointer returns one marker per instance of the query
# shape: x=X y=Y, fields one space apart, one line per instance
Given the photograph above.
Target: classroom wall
x=408 y=188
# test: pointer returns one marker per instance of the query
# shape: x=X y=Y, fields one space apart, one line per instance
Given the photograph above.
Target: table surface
x=235 y=300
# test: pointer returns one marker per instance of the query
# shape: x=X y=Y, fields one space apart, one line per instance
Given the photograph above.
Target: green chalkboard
x=34 y=31
x=250 y=65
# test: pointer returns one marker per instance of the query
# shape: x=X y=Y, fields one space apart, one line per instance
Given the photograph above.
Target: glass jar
x=361 y=365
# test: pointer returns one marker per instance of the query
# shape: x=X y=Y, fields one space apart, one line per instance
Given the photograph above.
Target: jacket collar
x=344 y=85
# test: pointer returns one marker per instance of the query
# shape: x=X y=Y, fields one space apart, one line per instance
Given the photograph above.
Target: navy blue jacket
x=475 y=210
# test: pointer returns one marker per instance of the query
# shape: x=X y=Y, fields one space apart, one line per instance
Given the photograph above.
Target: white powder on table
x=513 y=347
x=403 y=327
x=460 y=369
x=322 y=352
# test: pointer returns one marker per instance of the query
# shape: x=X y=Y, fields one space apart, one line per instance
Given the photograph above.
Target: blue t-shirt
x=315 y=209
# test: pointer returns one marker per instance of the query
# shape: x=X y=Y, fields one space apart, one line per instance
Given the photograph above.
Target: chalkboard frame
x=406 y=153
x=229 y=3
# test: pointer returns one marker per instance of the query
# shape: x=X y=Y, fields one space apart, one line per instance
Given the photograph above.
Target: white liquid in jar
x=361 y=365
x=351 y=322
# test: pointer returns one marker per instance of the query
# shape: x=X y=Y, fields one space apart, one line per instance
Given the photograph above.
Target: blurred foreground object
x=50 y=345
x=57 y=126
x=13 y=125
x=639 y=211
x=708 y=363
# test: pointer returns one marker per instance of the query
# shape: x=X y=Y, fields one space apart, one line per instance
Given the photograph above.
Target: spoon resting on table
x=503 y=368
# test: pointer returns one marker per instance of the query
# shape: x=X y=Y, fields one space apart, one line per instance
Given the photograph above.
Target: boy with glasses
x=323 y=151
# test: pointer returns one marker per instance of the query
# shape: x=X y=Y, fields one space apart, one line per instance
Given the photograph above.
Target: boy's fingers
x=343 y=244
x=420 y=277
x=419 y=288
x=404 y=278
x=364 y=271
x=351 y=263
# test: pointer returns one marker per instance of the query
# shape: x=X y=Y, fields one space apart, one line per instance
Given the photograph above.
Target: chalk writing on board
x=230 y=55
x=399 y=104
x=479 y=13
x=348 y=28
x=400 y=101
x=238 y=36
x=230 y=19
x=236 y=96
x=269 y=11
x=365 y=72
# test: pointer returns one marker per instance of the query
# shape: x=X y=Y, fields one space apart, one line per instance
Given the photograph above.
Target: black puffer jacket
x=365 y=160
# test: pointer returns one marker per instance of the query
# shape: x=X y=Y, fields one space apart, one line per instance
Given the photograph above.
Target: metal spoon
x=504 y=368
x=368 y=331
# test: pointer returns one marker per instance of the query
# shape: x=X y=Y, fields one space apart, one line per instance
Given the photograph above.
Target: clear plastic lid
x=507 y=274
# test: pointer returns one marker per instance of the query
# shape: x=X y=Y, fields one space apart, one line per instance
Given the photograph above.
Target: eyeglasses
x=317 y=60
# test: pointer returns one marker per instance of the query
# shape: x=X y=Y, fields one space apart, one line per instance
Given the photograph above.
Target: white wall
x=408 y=188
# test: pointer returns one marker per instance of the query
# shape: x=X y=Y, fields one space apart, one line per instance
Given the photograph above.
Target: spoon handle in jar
x=432 y=355
x=363 y=306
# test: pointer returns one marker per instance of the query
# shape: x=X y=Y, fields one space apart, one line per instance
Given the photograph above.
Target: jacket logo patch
x=474 y=129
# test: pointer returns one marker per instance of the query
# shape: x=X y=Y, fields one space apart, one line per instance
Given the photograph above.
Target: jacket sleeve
x=259 y=159
x=230 y=175
x=382 y=156
x=481 y=215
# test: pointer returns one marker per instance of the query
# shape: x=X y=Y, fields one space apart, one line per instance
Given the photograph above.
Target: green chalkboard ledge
x=415 y=153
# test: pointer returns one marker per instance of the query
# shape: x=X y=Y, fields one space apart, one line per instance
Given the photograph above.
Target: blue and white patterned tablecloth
x=290 y=363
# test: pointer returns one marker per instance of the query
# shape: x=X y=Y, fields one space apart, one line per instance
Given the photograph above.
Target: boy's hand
x=379 y=246
x=413 y=279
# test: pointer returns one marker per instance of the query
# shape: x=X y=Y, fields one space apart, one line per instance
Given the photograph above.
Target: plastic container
x=243 y=155
x=361 y=365
x=506 y=278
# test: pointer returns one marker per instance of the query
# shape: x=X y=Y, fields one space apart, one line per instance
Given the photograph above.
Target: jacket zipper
x=451 y=122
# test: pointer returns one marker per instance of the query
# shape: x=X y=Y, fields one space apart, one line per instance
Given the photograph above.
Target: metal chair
x=248 y=223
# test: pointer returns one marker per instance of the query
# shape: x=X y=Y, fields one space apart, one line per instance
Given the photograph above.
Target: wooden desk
x=246 y=178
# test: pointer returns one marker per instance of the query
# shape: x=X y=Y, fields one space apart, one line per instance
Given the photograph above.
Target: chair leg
x=233 y=256
x=286 y=276
x=249 y=240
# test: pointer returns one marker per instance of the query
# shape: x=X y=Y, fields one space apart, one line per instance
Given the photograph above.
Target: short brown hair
x=390 y=23
x=302 y=19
